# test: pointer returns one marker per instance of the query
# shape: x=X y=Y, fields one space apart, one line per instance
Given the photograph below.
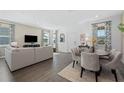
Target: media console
x=32 y=45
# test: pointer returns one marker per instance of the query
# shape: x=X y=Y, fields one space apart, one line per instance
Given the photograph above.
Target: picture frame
x=62 y=37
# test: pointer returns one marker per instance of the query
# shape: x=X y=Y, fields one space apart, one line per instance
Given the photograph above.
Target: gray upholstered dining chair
x=108 y=56
x=113 y=63
x=76 y=56
x=90 y=61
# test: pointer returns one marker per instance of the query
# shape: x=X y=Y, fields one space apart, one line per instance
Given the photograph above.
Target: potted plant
x=121 y=27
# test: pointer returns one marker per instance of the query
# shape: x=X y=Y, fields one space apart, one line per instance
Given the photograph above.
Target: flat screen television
x=30 y=38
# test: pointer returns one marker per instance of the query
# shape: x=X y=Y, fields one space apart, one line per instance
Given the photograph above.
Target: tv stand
x=32 y=45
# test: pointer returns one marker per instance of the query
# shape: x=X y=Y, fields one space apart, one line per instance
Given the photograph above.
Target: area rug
x=73 y=74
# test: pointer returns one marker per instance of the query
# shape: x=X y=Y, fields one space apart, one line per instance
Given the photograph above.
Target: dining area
x=94 y=60
x=97 y=51
x=96 y=56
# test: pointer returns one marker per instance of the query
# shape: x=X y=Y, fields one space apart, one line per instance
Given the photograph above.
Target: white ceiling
x=54 y=18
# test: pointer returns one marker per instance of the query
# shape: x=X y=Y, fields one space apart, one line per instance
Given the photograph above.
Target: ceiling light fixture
x=96 y=16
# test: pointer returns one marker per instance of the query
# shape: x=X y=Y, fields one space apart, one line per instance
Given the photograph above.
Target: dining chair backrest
x=90 y=61
x=112 y=54
x=113 y=51
x=84 y=49
x=73 y=54
x=115 y=62
x=77 y=51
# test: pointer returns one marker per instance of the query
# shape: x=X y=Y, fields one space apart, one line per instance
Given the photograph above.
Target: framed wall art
x=62 y=37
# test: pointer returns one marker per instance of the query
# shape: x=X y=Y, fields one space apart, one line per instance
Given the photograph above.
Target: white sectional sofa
x=17 y=58
x=43 y=53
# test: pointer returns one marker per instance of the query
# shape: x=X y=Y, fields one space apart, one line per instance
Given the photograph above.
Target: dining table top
x=102 y=52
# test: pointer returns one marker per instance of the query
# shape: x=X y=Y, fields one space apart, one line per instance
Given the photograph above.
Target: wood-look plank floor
x=45 y=71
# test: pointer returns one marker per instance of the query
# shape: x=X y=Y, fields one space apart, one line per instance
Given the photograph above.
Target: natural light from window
x=4 y=36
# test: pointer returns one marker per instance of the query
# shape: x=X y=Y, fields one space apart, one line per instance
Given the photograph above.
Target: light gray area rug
x=73 y=74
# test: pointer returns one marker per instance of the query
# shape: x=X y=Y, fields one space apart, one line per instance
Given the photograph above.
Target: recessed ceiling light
x=96 y=16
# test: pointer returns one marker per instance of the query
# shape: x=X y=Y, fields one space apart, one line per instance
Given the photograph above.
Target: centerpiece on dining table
x=92 y=41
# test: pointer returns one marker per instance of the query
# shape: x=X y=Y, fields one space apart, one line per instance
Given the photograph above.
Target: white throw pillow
x=14 y=44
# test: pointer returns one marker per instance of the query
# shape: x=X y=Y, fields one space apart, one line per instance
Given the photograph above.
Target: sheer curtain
x=12 y=29
x=108 y=36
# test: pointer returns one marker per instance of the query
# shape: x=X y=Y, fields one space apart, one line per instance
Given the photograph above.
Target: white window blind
x=5 y=35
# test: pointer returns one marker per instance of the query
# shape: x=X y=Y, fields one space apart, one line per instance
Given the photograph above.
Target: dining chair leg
x=100 y=70
x=76 y=62
x=81 y=72
x=115 y=75
x=73 y=63
x=96 y=74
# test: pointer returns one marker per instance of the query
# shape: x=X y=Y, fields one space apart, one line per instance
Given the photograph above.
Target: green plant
x=121 y=27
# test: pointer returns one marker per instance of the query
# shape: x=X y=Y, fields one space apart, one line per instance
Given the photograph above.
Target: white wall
x=72 y=36
x=123 y=46
x=116 y=34
x=123 y=38
x=73 y=33
x=62 y=46
x=21 y=30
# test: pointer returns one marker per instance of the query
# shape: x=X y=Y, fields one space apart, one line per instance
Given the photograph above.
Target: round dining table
x=102 y=52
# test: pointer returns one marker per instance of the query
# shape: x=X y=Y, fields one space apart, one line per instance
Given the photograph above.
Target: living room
x=61 y=46
x=42 y=40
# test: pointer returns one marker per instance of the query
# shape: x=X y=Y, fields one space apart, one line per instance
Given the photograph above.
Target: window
x=46 y=38
x=4 y=36
x=102 y=32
